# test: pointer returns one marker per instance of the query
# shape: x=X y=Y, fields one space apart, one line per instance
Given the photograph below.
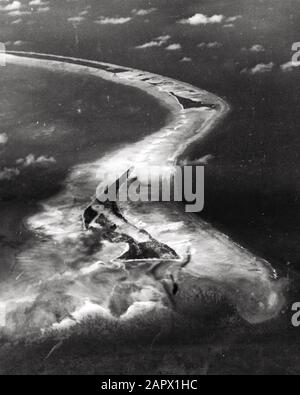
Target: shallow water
x=50 y=122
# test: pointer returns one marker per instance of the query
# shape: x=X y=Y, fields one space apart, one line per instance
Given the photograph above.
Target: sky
x=250 y=37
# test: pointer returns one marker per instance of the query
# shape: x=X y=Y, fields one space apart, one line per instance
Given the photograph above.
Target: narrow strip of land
x=217 y=262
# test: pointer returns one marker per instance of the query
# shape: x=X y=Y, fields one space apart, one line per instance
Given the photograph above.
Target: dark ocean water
x=53 y=121
x=73 y=119
x=252 y=186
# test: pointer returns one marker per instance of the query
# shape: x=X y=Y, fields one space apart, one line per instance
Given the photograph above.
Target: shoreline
x=219 y=263
x=167 y=90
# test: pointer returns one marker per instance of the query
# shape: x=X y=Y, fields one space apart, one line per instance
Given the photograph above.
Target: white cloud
x=201 y=19
x=150 y=44
x=211 y=45
x=17 y=21
x=113 y=21
x=3 y=138
x=143 y=12
x=233 y=18
x=38 y=3
x=174 y=47
x=260 y=68
x=83 y=13
x=255 y=48
x=41 y=10
x=163 y=39
x=8 y=174
x=289 y=66
x=15 y=5
x=157 y=42
x=19 y=13
x=76 y=19
x=186 y=59
x=31 y=160
x=19 y=43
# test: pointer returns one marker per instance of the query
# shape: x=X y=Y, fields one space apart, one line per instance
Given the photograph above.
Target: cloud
x=174 y=47
x=157 y=42
x=163 y=39
x=113 y=21
x=211 y=45
x=41 y=10
x=255 y=48
x=201 y=19
x=289 y=66
x=76 y=19
x=14 y=9
x=15 y=5
x=186 y=59
x=19 y=43
x=38 y=3
x=260 y=68
x=3 y=138
x=17 y=21
x=30 y=160
x=150 y=44
x=143 y=12
x=83 y=13
x=233 y=18
x=19 y=13
x=8 y=174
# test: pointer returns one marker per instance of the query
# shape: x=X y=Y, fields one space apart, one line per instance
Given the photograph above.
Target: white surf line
x=218 y=263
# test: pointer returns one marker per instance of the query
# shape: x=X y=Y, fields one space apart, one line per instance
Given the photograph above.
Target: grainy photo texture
x=149 y=188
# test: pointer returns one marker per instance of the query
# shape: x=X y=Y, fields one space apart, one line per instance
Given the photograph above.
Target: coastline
x=217 y=262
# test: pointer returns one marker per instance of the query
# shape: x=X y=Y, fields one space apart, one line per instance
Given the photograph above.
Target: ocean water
x=50 y=122
x=252 y=183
